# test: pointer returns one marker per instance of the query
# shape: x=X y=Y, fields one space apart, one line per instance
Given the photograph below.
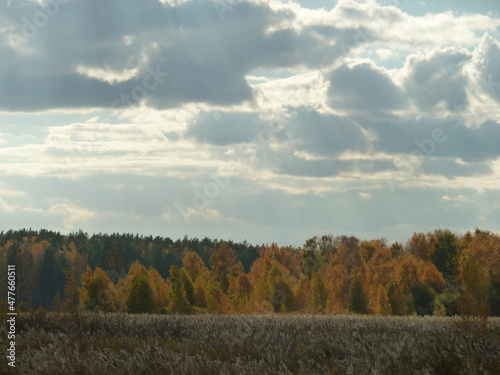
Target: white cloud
x=364 y=195
x=108 y=76
x=6 y=191
x=73 y=216
x=458 y=198
x=8 y=207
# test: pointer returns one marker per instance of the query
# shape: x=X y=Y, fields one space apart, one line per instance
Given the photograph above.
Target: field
x=52 y=343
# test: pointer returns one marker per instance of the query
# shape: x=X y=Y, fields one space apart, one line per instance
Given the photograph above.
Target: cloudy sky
x=263 y=120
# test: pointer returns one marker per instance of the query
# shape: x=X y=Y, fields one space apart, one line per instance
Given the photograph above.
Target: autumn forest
x=436 y=273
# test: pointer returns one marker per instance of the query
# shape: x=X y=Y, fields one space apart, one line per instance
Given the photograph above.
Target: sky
x=258 y=120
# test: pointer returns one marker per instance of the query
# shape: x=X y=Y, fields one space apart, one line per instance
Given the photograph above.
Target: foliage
x=438 y=273
x=96 y=294
x=140 y=296
x=359 y=301
x=224 y=265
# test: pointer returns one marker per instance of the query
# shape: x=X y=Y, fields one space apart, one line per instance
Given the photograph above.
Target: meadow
x=266 y=344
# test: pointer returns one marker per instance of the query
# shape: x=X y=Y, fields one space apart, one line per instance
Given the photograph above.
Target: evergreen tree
x=140 y=296
x=47 y=279
x=359 y=301
x=423 y=298
x=446 y=255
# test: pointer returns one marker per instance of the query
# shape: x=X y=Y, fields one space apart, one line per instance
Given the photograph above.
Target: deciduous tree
x=97 y=291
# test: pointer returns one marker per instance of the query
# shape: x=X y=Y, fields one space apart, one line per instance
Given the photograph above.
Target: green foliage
x=187 y=285
x=319 y=292
x=177 y=298
x=439 y=308
x=494 y=296
x=396 y=299
x=140 y=296
x=446 y=254
x=97 y=294
x=359 y=301
x=311 y=257
x=47 y=278
x=423 y=298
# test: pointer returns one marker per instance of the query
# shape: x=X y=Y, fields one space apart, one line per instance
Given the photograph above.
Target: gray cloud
x=324 y=135
x=487 y=62
x=438 y=78
x=450 y=168
x=222 y=128
x=364 y=89
x=207 y=58
x=329 y=168
x=438 y=139
x=21 y=92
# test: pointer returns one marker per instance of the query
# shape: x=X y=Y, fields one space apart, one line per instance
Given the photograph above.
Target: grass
x=102 y=344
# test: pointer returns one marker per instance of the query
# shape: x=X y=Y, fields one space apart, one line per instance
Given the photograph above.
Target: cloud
x=363 y=88
x=486 y=60
x=69 y=63
x=73 y=215
x=222 y=128
x=329 y=168
x=6 y=191
x=8 y=207
x=110 y=36
x=323 y=134
x=437 y=138
x=309 y=112
x=437 y=78
x=451 y=168
x=364 y=195
x=83 y=149
x=459 y=198
x=93 y=54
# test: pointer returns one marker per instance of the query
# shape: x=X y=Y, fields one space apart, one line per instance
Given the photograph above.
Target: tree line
x=436 y=273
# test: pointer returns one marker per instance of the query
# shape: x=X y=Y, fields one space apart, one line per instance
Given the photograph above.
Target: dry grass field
x=101 y=344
